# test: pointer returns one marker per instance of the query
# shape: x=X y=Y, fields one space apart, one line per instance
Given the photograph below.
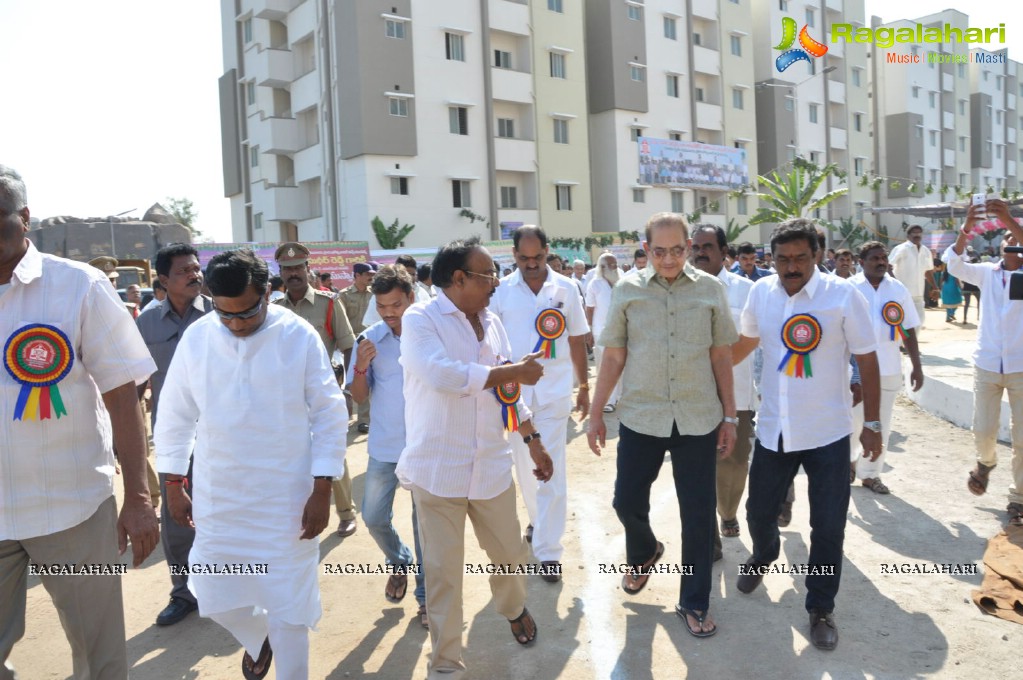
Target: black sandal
x=684 y=614
x=520 y=623
x=265 y=656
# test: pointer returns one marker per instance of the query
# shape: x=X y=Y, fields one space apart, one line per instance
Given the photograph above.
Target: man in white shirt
x=598 y=302
x=159 y=295
x=422 y=293
x=460 y=396
x=998 y=359
x=72 y=364
x=251 y=388
x=708 y=254
x=912 y=262
x=808 y=323
x=541 y=311
x=895 y=321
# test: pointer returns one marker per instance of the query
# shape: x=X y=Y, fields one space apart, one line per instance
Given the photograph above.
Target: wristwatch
x=529 y=438
x=873 y=425
x=326 y=477
x=730 y=419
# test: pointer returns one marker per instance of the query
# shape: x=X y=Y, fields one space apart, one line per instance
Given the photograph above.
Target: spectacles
x=247 y=314
x=676 y=252
x=491 y=276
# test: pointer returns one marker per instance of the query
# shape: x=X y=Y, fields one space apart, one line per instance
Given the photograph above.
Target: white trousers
x=546 y=502
x=616 y=393
x=865 y=468
x=289 y=642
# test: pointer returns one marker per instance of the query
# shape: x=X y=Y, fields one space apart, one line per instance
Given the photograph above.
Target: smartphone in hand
x=980 y=199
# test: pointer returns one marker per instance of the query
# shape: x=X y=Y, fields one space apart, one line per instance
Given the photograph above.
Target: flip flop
x=521 y=624
x=639 y=579
x=266 y=655
x=684 y=614
x=730 y=528
x=979 y=478
x=397 y=584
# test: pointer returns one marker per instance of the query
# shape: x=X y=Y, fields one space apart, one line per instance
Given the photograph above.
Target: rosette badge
x=894 y=315
x=800 y=334
x=38 y=357
x=550 y=325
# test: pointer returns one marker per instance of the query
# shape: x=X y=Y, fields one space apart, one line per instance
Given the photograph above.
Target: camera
x=1016 y=280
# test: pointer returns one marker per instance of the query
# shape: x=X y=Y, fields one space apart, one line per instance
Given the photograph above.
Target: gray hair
x=12 y=190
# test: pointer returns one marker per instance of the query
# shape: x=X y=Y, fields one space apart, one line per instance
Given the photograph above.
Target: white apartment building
x=661 y=72
x=820 y=109
x=457 y=116
x=995 y=121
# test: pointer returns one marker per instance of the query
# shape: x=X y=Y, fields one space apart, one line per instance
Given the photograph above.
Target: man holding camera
x=998 y=359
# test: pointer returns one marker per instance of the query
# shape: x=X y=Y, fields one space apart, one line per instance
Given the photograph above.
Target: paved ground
x=892 y=625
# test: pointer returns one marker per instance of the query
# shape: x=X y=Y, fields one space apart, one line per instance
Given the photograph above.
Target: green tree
x=393 y=236
x=792 y=194
x=852 y=234
x=733 y=230
x=183 y=210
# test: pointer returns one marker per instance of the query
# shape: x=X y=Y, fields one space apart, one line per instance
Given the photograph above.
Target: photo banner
x=336 y=258
x=691 y=165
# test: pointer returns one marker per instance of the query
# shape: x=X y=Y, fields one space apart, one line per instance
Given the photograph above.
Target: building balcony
x=949 y=160
x=948 y=120
x=514 y=155
x=275 y=10
x=706 y=9
x=278 y=135
x=836 y=92
x=839 y=138
x=302 y=21
x=270 y=67
x=288 y=204
x=305 y=92
x=509 y=17
x=512 y=86
x=834 y=5
x=706 y=60
x=309 y=163
x=708 y=116
x=1010 y=168
x=948 y=82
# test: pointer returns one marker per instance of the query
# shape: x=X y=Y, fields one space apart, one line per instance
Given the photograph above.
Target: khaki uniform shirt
x=668 y=331
x=355 y=304
x=313 y=308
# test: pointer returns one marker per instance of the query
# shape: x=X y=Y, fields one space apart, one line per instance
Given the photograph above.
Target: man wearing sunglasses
x=252 y=389
x=328 y=317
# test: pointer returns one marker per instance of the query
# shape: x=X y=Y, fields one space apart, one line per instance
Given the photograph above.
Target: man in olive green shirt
x=355 y=299
x=327 y=316
x=670 y=330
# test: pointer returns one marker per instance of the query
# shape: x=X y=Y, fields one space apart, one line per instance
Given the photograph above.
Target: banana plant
x=783 y=196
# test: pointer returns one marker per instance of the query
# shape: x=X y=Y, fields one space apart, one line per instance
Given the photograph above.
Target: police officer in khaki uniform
x=355 y=299
x=328 y=317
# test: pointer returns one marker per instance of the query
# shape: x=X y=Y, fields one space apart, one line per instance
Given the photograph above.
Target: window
x=639 y=196
x=697 y=39
x=699 y=94
x=672 y=82
x=814 y=157
x=509 y=197
x=962 y=107
x=560 y=131
x=394 y=29
x=858 y=122
x=677 y=202
x=988 y=109
x=962 y=179
x=998 y=83
x=998 y=117
x=399 y=186
x=740 y=205
x=736 y=98
x=247 y=30
x=962 y=143
x=998 y=151
x=458 y=117
x=502 y=59
x=986 y=75
x=460 y=193
x=914 y=50
x=916 y=92
x=809 y=17
x=813 y=113
x=675 y=136
x=564 y=197
x=635 y=13
x=671 y=28
x=931 y=99
x=739 y=145
x=257 y=222
x=506 y=128
x=933 y=136
x=783 y=5
x=250 y=92
x=856 y=77
x=557 y=65
x=637 y=73
x=987 y=149
x=736 y=43
x=398 y=106
x=454 y=47
x=813 y=67
x=790 y=104
x=555 y=6
x=254 y=156
x=934 y=176
x=961 y=70
x=858 y=167
x=635 y=134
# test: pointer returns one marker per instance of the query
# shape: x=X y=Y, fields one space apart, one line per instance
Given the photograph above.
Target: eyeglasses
x=247 y=314
x=676 y=252
x=491 y=276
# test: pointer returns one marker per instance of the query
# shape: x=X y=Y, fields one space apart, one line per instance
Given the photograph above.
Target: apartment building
x=995 y=121
x=458 y=116
x=666 y=70
x=818 y=109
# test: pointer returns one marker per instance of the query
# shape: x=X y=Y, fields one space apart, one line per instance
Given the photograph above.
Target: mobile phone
x=360 y=338
x=980 y=199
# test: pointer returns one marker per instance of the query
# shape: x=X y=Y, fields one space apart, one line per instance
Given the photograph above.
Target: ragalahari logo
x=808 y=46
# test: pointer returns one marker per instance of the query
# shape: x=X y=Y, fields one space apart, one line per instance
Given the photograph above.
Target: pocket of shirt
x=694 y=324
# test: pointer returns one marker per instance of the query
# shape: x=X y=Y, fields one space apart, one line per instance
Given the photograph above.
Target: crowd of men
x=701 y=351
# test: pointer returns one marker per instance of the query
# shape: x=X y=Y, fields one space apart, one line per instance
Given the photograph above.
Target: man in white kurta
x=251 y=386
x=912 y=263
x=598 y=302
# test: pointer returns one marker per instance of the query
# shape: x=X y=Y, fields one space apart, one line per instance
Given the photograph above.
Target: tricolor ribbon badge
x=508 y=394
x=800 y=334
x=894 y=315
x=550 y=325
x=38 y=357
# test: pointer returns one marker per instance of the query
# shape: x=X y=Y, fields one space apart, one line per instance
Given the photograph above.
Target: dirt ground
x=891 y=625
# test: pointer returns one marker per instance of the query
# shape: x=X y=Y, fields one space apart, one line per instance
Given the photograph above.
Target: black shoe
x=347 y=527
x=363 y=428
x=529 y=534
x=785 y=516
x=750 y=577
x=551 y=571
x=177 y=609
x=823 y=631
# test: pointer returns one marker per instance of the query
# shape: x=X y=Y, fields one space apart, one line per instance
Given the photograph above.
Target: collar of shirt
x=446 y=306
x=310 y=297
x=199 y=303
x=31 y=266
x=810 y=289
x=650 y=274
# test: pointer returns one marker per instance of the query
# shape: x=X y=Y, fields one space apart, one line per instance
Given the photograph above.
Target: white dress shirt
x=455 y=444
x=889 y=360
x=738 y=287
x=910 y=264
x=1000 y=336
x=598 y=296
x=807 y=412
x=54 y=473
x=517 y=306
